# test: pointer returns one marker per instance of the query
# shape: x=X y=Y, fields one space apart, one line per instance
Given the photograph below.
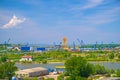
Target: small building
x=26 y=58
x=32 y=72
x=15 y=48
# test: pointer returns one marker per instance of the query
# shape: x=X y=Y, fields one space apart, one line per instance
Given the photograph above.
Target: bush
x=111 y=56
x=119 y=56
x=99 y=69
x=118 y=72
x=44 y=61
x=76 y=78
x=60 y=77
x=49 y=79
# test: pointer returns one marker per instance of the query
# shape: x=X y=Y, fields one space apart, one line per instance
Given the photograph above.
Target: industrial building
x=41 y=49
x=32 y=72
x=26 y=48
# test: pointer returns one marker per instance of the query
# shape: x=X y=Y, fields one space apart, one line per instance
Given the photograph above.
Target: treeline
x=77 y=68
x=63 y=55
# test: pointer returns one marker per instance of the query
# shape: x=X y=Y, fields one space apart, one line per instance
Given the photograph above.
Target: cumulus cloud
x=13 y=22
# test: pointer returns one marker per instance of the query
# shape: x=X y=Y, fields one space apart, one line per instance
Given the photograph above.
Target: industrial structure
x=41 y=49
x=32 y=72
x=64 y=43
x=26 y=48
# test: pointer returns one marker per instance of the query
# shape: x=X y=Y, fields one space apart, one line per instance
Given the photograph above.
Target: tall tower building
x=64 y=43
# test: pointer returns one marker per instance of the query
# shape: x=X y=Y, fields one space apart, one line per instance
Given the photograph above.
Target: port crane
x=95 y=46
x=74 y=46
x=80 y=43
x=102 y=46
x=7 y=42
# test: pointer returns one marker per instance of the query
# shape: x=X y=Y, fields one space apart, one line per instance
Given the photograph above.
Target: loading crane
x=6 y=42
x=95 y=46
x=81 y=44
x=57 y=46
x=110 y=45
x=102 y=46
x=74 y=46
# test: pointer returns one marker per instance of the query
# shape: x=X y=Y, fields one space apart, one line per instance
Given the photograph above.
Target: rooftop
x=31 y=70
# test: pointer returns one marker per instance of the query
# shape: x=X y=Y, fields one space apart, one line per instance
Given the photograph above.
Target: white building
x=26 y=58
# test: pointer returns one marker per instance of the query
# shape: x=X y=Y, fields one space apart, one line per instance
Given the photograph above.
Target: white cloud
x=89 y=4
x=13 y=22
x=103 y=17
x=92 y=3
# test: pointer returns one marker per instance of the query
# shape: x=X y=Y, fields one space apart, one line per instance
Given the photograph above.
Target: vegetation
x=118 y=72
x=111 y=56
x=62 y=56
x=99 y=69
x=44 y=61
x=118 y=56
x=49 y=79
x=78 y=67
x=7 y=69
x=60 y=77
x=3 y=59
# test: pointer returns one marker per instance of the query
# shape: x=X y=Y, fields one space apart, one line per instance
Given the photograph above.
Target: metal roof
x=31 y=70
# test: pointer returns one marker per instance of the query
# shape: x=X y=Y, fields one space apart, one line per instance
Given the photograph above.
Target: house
x=32 y=72
x=26 y=58
x=16 y=48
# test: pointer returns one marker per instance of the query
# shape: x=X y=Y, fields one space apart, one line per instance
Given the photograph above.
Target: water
x=48 y=65
x=110 y=65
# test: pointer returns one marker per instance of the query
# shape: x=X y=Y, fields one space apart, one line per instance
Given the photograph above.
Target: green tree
x=3 y=58
x=118 y=56
x=76 y=78
x=60 y=77
x=111 y=56
x=118 y=72
x=7 y=69
x=78 y=67
x=99 y=69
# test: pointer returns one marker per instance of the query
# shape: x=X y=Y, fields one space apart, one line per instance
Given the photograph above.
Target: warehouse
x=32 y=72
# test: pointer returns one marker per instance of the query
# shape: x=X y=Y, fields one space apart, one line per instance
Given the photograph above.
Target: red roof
x=26 y=56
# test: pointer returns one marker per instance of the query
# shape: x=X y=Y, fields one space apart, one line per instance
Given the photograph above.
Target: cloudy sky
x=48 y=21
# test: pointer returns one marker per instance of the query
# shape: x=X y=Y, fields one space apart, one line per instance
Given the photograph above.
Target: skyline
x=48 y=21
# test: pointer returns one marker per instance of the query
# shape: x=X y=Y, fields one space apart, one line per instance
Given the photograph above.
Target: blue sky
x=48 y=21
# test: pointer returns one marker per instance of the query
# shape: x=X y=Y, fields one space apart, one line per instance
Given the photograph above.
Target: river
x=110 y=65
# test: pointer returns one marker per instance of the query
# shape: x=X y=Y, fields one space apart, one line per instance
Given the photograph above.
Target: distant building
x=25 y=48
x=41 y=49
x=26 y=58
x=15 y=48
x=32 y=72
